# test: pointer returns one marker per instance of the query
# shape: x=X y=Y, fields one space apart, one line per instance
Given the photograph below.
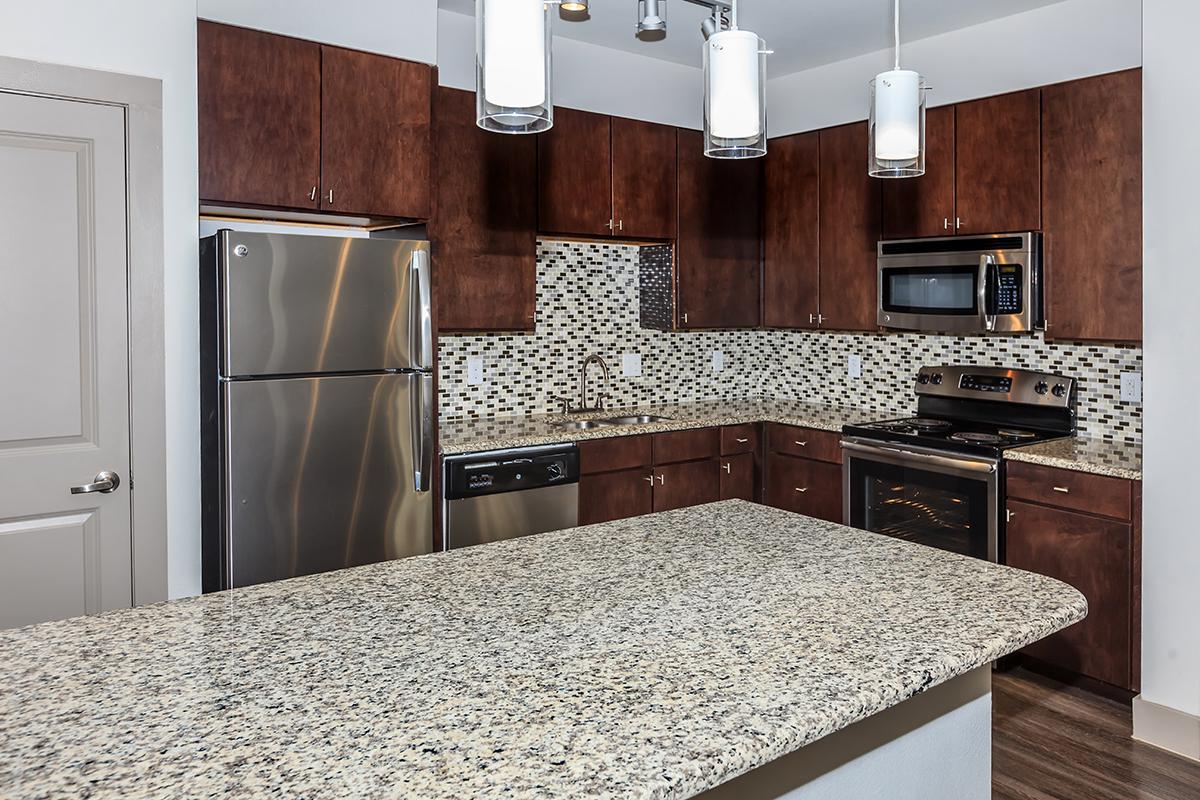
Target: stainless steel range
x=938 y=478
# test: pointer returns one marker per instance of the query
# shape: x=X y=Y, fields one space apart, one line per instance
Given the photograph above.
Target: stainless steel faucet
x=594 y=358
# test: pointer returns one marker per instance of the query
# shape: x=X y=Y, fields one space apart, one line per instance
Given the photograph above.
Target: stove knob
x=1059 y=390
x=922 y=378
x=1042 y=387
x=936 y=379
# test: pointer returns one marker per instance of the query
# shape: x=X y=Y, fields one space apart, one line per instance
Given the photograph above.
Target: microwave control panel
x=1008 y=290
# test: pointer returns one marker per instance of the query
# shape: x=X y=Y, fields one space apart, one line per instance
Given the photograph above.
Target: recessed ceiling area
x=803 y=33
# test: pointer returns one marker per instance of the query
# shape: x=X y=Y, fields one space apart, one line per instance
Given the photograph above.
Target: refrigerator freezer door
x=295 y=305
x=319 y=475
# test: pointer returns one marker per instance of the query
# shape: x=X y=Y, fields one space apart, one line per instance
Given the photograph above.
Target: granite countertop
x=650 y=657
x=1099 y=456
x=464 y=435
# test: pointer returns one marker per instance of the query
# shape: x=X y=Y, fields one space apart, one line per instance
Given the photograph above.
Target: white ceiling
x=803 y=33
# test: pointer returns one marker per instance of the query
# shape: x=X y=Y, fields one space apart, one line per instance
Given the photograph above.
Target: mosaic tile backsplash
x=587 y=302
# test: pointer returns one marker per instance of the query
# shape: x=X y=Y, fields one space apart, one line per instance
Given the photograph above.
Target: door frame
x=141 y=99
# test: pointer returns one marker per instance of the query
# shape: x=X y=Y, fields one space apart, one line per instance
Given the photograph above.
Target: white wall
x=400 y=28
x=1054 y=43
x=157 y=39
x=589 y=77
x=1171 y=287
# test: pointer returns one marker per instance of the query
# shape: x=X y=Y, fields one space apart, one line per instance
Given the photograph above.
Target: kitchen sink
x=584 y=424
x=641 y=419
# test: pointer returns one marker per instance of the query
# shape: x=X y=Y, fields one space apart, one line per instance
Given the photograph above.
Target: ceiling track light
x=574 y=6
x=512 y=66
x=652 y=20
x=897 y=124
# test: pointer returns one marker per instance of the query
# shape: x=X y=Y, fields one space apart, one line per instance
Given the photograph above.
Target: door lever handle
x=105 y=482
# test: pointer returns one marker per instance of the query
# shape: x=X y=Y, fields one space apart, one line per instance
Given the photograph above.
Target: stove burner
x=922 y=424
x=977 y=438
x=1013 y=433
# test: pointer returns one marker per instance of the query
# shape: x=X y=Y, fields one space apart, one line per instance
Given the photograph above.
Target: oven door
x=931 y=497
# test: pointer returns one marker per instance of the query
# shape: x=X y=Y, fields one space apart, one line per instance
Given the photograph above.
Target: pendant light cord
x=896 y=32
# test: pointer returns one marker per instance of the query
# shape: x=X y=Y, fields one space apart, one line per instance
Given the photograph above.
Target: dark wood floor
x=1051 y=741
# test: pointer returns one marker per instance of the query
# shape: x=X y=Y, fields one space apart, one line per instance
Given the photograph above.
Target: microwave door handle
x=988 y=285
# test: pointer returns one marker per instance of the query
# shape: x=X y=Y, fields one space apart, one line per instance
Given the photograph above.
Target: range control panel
x=498 y=471
x=997 y=384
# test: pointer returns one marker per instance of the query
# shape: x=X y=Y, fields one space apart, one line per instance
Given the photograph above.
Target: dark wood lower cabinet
x=689 y=484
x=804 y=486
x=737 y=477
x=615 y=495
x=1093 y=555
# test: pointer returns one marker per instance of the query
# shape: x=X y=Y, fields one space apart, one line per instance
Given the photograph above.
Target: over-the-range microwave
x=963 y=284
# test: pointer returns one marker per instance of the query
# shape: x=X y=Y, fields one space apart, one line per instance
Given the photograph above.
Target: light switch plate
x=854 y=365
x=631 y=365
x=1131 y=387
x=474 y=371
x=718 y=361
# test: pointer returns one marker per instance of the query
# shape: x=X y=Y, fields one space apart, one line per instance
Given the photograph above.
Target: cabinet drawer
x=1080 y=491
x=805 y=442
x=739 y=439
x=686 y=445
x=805 y=486
x=619 y=452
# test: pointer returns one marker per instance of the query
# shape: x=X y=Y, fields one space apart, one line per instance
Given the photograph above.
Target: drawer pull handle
x=727 y=469
x=742 y=441
x=662 y=480
x=798 y=489
x=802 y=444
x=1062 y=489
x=649 y=479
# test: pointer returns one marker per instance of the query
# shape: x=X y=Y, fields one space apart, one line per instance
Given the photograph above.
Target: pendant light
x=735 y=100
x=512 y=63
x=897 y=126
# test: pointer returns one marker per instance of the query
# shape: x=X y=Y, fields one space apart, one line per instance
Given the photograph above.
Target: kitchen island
x=659 y=656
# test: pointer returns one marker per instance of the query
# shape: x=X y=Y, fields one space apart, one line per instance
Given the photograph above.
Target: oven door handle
x=922 y=458
x=989 y=285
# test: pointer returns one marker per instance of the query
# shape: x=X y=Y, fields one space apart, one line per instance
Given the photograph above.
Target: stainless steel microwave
x=962 y=284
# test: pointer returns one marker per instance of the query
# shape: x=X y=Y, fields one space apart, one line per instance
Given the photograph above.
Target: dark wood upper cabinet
x=1092 y=206
x=643 y=179
x=924 y=206
x=484 y=220
x=791 y=243
x=259 y=106
x=575 y=174
x=849 y=230
x=998 y=163
x=375 y=121
x=717 y=254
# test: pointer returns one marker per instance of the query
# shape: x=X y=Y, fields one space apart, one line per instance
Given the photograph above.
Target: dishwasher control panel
x=499 y=471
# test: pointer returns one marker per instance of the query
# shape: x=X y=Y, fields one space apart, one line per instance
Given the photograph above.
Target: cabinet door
x=690 y=484
x=575 y=174
x=849 y=231
x=1092 y=206
x=615 y=495
x=791 y=252
x=1093 y=555
x=998 y=163
x=804 y=486
x=717 y=253
x=375 y=121
x=737 y=477
x=259 y=117
x=643 y=179
x=484 y=223
x=924 y=206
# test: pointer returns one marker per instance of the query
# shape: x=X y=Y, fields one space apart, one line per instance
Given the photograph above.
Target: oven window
x=931 y=290
x=943 y=511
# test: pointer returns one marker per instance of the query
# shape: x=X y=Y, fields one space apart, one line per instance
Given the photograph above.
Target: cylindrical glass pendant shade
x=512 y=63
x=735 y=100
x=897 y=127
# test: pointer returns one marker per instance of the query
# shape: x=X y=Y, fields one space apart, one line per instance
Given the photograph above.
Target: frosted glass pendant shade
x=735 y=103
x=897 y=126
x=512 y=66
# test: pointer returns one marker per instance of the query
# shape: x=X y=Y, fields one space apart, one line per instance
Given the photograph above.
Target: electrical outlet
x=474 y=371
x=1131 y=387
x=631 y=365
x=718 y=361
x=854 y=365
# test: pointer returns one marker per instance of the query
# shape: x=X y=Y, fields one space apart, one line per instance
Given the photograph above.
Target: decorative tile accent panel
x=588 y=302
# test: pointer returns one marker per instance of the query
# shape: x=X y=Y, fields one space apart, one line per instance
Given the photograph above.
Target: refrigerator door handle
x=420 y=335
x=422 y=431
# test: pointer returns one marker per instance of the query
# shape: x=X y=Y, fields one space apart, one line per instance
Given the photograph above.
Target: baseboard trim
x=1166 y=728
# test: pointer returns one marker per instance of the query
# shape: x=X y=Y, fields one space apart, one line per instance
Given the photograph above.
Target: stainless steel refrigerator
x=316 y=404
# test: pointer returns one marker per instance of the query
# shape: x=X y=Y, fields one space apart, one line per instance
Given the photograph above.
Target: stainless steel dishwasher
x=503 y=494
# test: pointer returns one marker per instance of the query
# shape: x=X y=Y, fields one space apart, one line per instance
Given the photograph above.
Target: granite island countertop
x=650 y=657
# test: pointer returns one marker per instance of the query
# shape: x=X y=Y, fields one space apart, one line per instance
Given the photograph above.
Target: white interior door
x=64 y=372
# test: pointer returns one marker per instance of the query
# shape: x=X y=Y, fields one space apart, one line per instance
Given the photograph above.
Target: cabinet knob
x=801 y=490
